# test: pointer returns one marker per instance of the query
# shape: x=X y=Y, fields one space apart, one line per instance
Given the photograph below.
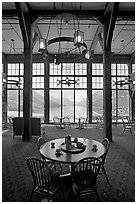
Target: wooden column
x=27 y=91
x=89 y=91
x=46 y=93
x=107 y=98
x=27 y=22
x=109 y=20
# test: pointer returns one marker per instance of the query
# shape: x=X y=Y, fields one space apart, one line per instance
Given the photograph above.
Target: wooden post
x=110 y=17
x=89 y=92
x=107 y=103
x=27 y=91
x=46 y=92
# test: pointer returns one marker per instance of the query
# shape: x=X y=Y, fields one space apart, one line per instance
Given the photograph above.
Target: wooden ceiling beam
x=83 y=14
x=113 y=18
x=100 y=39
x=95 y=39
x=22 y=23
x=34 y=40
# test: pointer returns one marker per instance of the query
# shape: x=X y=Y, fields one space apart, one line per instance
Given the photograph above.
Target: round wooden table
x=71 y=158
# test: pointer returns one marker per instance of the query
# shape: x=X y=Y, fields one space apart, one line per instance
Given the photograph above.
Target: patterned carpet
x=120 y=165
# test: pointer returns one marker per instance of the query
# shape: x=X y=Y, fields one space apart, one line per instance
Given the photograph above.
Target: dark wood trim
x=83 y=14
x=112 y=20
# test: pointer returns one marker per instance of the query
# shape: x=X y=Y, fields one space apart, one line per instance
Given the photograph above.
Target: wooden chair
x=86 y=122
x=17 y=126
x=66 y=122
x=106 y=144
x=99 y=122
x=18 y=123
x=84 y=176
x=56 y=121
x=81 y=123
x=46 y=180
x=126 y=125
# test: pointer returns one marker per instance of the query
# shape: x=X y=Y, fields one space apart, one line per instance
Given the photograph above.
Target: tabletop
x=66 y=157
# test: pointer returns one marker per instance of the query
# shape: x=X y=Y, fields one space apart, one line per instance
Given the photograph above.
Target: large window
x=67 y=100
x=15 y=93
x=120 y=94
x=38 y=90
x=97 y=90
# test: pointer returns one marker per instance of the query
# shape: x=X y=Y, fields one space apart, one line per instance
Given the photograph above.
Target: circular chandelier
x=67 y=48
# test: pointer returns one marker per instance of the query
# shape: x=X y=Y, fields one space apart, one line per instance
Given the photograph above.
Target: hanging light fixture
x=126 y=81
x=87 y=55
x=64 y=48
x=42 y=44
x=68 y=81
x=78 y=38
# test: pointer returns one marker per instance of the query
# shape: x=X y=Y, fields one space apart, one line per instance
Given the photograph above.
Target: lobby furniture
x=99 y=122
x=18 y=126
x=127 y=126
x=66 y=122
x=81 y=123
x=68 y=157
x=46 y=180
x=57 y=122
x=84 y=177
x=106 y=144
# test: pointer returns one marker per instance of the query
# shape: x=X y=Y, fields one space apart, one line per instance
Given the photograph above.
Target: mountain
x=82 y=102
x=38 y=101
x=54 y=102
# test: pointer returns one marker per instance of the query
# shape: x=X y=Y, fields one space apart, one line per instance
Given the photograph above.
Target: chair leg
x=96 y=193
x=31 y=195
x=131 y=131
x=103 y=169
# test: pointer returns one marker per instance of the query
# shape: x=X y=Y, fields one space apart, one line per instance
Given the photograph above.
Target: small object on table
x=94 y=148
x=80 y=145
x=58 y=152
x=52 y=144
x=68 y=141
x=75 y=139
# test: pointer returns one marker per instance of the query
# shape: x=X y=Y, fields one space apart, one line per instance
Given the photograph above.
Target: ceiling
x=87 y=18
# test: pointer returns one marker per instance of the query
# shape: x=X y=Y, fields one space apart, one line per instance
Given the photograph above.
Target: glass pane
x=12 y=82
x=82 y=82
x=38 y=69
x=38 y=104
x=121 y=86
x=55 y=104
x=55 y=69
x=80 y=104
x=97 y=104
x=69 y=85
x=38 y=82
x=122 y=69
x=21 y=103
x=113 y=81
x=114 y=106
x=12 y=103
x=133 y=68
x=68 y=104
x=80 y=69
x=68 y=69
x=13 y=69
x=97 y=69
x=123 y=103
x=97 y=82
x=113 y=69
x=21 y=69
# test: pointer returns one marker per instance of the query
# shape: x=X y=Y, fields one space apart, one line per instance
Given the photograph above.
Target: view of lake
x=80 y=111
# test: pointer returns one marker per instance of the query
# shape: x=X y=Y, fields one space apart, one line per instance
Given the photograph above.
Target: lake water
x=67 y=111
